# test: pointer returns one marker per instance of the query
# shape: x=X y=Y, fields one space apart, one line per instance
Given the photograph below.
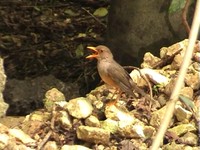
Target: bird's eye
x=101 y=50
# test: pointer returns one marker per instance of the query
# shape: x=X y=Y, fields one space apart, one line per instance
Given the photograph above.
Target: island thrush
x=112 y=73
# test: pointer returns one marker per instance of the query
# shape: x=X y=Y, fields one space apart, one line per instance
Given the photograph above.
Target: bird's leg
x=116 y=90
x=113 y=102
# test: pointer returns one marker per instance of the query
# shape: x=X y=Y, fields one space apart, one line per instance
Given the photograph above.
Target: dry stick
x=48 y=135
x=143 y=76
x=184 y=16
x=166 y=60
x=174 y=96
x=94 y=17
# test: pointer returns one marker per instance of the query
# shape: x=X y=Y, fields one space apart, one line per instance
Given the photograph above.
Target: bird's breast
x=103 y=68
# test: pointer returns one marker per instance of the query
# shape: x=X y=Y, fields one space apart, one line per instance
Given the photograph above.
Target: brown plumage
x=112 y=73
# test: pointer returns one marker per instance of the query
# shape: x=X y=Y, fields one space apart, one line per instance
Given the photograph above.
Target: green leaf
x=100 y=12
x=187 y=101
x=176 y=5
x=37 y=8
x=79 y=50
x=71 y=13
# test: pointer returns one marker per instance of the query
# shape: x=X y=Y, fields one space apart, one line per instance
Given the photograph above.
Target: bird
x=112 y=73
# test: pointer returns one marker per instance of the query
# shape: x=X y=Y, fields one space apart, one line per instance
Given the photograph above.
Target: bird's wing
x=120 y=77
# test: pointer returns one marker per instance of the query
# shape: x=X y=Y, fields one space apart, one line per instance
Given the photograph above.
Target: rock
x=92 y=121
x=21 y=136
x=50 y=145
x=154 y=76
x=115 y=113
x=196 y=57
x=94 y=96
x=182 y=129
x=157 y=116
x=38 y=116
x=110 y=125
x=163 y=52
x=149 y=131
x=170 y=86
x=62 y=105
x=3 y=105
x=182 y=114
x=51 y=97
x=139 y=144
x=171 y=50
x=93 y=134
x=174 y=146
x=131 y=131
x=127 y=145
x=135 y=75
x=162 y=99
x=193 y=80
x=141 y=26
x=65 y=119
x=190 y=139
x=4 y=139
x=74 y=147
x=187 y=92
x=149 y=60
x=25 y=96
x=178 y=59
x=195 y=66
x=79 y=107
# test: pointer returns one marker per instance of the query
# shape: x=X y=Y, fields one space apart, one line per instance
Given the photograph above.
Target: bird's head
x=100 y=52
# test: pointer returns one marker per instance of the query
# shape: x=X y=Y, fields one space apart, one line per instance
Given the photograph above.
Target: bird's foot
x=112 y=102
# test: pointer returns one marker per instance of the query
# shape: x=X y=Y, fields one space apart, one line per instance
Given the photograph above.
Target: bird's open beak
x=95 y=54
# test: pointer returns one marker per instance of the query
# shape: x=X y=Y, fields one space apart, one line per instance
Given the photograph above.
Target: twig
x=143 y=76
x=184 y=16
x=95 y=18
x=47 y=136
x=174 y=96
x=166 y=60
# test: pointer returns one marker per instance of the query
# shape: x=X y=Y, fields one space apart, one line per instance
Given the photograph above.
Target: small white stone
x=79 y=107
x=20 y=135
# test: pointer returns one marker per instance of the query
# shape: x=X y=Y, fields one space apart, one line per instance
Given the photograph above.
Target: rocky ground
x=93 y=122
x=43 y=44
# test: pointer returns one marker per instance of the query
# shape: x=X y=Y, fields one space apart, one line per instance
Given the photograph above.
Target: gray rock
x=79 y=107
x=142 y=26
x=93 y=134
x=24 y=96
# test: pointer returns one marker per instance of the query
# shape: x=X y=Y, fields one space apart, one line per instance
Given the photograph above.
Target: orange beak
x=95 y=54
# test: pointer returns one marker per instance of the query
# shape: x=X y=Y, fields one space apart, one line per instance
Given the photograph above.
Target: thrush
x=113 y=73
